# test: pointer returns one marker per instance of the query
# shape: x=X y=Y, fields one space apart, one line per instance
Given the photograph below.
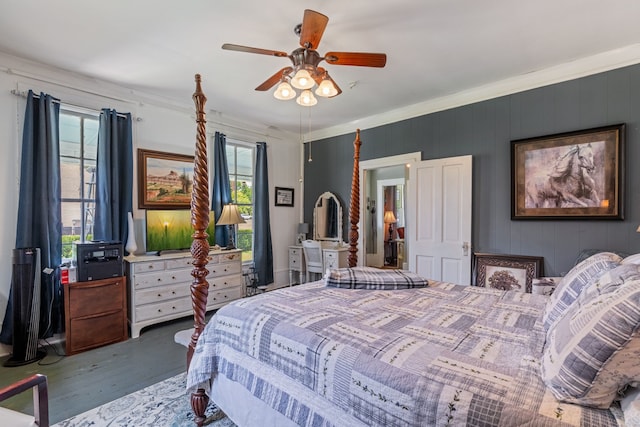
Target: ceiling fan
x=305 y=72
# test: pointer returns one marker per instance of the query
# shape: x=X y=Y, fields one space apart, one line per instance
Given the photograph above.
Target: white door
x=439 y=219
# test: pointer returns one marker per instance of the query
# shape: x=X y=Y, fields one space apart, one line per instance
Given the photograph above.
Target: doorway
x=371 y=235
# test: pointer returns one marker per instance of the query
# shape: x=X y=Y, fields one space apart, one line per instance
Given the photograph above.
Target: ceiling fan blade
x=361 y=59
x=271 y=81
x=247 y=49
x=313 y=25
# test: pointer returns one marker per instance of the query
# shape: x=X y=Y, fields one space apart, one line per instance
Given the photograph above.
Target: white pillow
x=630 y=405
x=572 y=284
x=593 y=350
x=631 y=259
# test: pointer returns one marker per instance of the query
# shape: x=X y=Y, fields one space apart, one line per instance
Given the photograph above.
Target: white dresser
x=159 y=287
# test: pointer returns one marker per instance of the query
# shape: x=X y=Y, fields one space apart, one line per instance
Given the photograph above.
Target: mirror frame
x=316 y=236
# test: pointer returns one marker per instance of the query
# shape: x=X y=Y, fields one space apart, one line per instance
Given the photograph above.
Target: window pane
x=69 y=174
x=89 y=179
x=245 y=233
x=231 y=159
x=90 y=138
x=244 y=161
x=244 y=192
x=72 y=219
x=69 y=135
x=233 y=186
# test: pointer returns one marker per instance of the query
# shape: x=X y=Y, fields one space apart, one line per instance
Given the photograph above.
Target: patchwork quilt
x=443 y=355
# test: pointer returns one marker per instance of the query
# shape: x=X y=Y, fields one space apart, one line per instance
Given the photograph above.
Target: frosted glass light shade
x=284 y=91
x=302 y=80
x=326 y=89
x=306 y=98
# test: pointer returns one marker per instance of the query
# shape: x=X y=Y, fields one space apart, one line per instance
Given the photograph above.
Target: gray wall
x=484 y=130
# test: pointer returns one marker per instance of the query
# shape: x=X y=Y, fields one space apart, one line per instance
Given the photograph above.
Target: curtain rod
x=24 y=94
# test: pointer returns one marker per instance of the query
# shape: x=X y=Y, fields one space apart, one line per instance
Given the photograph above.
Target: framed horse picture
x=573 y=175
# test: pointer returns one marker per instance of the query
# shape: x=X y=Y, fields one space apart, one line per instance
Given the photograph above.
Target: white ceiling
x=436 y=50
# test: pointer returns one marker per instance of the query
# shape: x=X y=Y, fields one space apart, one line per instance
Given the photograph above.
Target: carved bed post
x=354 y=208
x=200 y=244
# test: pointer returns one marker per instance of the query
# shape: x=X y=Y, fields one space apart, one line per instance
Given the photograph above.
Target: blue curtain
x=221 y=188
x=262 y=250
x=114 y=176
x=39 y=213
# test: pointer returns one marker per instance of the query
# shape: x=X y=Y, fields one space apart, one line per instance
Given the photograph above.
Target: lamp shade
x=284 y=91
x=302 y=79
x=389 y=217
x=306 y=98
x=230 y=215
x=326 y=89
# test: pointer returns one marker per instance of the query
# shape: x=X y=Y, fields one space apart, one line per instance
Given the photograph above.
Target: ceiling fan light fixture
x=284 y=91
x=326 y=89
x=302 y=79
x=306 y=99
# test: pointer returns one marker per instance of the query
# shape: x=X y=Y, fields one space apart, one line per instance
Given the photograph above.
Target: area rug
x=162 y=404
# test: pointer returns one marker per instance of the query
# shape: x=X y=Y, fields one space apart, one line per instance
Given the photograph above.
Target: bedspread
x=445 y=355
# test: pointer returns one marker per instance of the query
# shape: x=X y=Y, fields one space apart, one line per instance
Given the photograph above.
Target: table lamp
x=230 y=216
x=303 y=229
x=389 y=218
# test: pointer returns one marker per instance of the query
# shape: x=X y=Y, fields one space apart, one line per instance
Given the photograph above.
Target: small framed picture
x=506 y=272
x=284 y=196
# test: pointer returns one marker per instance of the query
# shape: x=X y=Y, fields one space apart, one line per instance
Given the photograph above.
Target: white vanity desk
x=327 y=229
x=334 y=255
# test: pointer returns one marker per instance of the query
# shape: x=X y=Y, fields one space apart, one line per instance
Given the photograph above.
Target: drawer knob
x=159 y=310
x=173 y=308
x=173 y=292
x=159 y=295
x=151 y=266
x=159 y=279
x=173 y=277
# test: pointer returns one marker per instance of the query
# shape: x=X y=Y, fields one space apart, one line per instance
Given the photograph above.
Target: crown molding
x=605 y=61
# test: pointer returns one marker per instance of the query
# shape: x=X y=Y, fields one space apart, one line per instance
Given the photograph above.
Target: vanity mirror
x=327 y=218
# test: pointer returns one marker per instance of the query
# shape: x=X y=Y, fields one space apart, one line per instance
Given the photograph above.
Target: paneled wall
x=484 y=130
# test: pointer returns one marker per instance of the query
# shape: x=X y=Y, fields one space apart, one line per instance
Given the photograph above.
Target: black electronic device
x=97 y=260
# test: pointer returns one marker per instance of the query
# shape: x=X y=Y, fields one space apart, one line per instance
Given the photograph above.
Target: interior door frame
x=381 y=162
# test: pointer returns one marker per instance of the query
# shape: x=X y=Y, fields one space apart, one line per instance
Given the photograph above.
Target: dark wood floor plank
x=83 y=381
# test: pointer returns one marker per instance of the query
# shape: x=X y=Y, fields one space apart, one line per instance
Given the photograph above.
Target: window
x=240 y=160
x=78 y=149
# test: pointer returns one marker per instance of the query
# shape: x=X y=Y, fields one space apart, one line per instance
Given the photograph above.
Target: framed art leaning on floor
x=506 y=272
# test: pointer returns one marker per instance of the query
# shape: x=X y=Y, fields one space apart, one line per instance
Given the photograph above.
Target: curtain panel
x=39 y=222
x=114 y=176
x=262 y=249
x=221 y=186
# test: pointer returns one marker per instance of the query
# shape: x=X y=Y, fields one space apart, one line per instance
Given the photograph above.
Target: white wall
x=158 y=125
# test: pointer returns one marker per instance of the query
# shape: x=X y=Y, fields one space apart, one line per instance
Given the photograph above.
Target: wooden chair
x=40 y=417
x=313 y=257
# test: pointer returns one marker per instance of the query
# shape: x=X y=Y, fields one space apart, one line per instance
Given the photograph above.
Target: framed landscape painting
x=506 y=272
x=164 y=180
x=574 y=175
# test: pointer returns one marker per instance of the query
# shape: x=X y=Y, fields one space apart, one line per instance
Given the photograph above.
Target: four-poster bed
x=369 y=347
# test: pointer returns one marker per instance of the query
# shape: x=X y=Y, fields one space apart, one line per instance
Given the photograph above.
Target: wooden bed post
x=200 y=244
x=354 y=208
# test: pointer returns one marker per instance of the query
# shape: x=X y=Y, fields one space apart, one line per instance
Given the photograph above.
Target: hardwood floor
x=89 y=379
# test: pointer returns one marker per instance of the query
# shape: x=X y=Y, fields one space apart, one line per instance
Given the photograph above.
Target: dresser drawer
x=88 y=298
x=216 y=283
x=147 y=266
x=172 y=264
x=225 y=295
x=163 y=293
x=152 y=311
x=93 y=332
x=224 y=269
x=162 y=278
